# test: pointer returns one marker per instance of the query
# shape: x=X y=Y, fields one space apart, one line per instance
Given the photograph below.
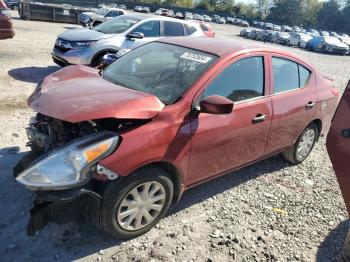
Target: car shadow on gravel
x=331 y=247
x=32 y=74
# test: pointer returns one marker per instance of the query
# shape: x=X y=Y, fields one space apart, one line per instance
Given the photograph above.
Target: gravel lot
x=267 y=212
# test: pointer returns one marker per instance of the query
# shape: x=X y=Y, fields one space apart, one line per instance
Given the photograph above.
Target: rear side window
x=204 y=28
x=190 y=29
x=240 y=81
x=173 y=29
x=149 y=29
x=304 y=75
x=288 y=75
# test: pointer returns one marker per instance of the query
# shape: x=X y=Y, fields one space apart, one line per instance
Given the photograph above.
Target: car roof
x=155 y=17
x=219 y=47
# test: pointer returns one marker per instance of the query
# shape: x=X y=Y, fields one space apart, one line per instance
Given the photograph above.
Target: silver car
x=88 y=46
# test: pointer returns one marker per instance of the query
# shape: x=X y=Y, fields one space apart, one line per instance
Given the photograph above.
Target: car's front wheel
x=303 y=146
x=132 y=206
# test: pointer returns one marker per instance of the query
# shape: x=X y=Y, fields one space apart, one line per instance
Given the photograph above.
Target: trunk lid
x=78 y=93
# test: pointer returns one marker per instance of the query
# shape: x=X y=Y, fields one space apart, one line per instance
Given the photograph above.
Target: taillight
x=6 y=12
x=335 y=91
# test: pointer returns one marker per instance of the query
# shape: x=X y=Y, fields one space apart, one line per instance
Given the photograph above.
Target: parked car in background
x=277 y=28
x=179 y=15
x=6 y=27
x=99 y=16
x=333 y=34
x=222 y=20
x=299 y=39
x=230 y=20
x=244 y=23
x=198 y=17
x=88 y=46
x=324 y=33
x=296 y=29
x=312 y=32
x=246 y=32
x=126 y=143
x=145 y=9
x=286 y=28
x=328 y=44
x=188 y=16
x=280 y=38
x=207 y=18
x=268 y=26
x=254 y=33
x=207 y=29
x=138 y=8
x=338 y=146
x=12 y=4
x=345 y=39
x=122 y=6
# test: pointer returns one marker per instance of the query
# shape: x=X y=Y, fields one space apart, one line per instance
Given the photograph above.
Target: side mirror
x=216 y=105
x=107 y=60
x=135 y=35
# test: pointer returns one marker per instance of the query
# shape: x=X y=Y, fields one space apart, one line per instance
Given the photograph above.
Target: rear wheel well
x=318 y=123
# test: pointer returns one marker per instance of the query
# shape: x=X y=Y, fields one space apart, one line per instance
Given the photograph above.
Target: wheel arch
x=173 y=173
x=318 y=123
x=103 y=51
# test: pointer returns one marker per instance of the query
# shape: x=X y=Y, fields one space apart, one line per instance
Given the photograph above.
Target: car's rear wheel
x=303 y=146
x=132 y=206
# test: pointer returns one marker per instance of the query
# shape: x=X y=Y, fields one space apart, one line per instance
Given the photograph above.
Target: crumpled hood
x=83 y=34
x=78 y=93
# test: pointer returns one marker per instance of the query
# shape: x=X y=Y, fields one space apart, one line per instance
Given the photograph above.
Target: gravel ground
x=267 y=212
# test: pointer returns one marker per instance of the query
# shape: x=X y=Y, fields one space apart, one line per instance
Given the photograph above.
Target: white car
x=88 y=46
x=345 y=39
x=299 y=39
x=99 y=16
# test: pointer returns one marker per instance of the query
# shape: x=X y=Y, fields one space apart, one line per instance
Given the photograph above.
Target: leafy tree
x=329 y=16
x=262 y=7
x=287 y=12
x=204 y=5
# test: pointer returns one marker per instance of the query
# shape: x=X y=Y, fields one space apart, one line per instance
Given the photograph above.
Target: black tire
x=99 y=59
x=116 y=192
x=291 y=154
x=96 y=23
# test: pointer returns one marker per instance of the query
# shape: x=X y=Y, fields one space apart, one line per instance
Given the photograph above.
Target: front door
x=221 y=143
x=338 y=145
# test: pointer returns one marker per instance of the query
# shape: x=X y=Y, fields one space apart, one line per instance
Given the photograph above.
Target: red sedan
x=6 y=28
x=169 y=115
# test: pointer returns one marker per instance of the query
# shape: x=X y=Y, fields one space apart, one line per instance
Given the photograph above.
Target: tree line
x=333 y=15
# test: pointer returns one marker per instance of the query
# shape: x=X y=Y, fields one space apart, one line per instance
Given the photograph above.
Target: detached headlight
x=69 y=166
x=82 y=44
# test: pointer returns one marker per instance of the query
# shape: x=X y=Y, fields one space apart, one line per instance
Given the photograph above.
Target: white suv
x=88 y=46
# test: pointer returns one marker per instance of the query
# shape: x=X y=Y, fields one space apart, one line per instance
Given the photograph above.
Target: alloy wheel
x=141 y=206
x=305 y=144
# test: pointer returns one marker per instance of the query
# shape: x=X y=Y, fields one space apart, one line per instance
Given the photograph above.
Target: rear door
x=293 y=101
x=338 y=145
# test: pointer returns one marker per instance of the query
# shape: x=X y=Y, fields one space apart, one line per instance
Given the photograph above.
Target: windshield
x=117 y=25
x=163 y=70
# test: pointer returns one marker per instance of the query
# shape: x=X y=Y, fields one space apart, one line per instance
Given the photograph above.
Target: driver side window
x=149 y=29
x=240 y=81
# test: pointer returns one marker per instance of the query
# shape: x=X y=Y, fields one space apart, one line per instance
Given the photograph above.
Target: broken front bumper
x=60 y=206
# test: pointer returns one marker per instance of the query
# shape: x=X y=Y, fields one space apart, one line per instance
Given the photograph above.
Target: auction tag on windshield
x=196 y=57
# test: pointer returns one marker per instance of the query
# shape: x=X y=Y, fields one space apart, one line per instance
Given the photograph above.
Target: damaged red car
x=119 y=145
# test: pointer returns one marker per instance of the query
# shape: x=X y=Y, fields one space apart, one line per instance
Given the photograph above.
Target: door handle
x=259 y=118
x=310 y=105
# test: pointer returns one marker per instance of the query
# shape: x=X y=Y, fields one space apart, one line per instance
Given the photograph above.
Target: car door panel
x=291 y=114
x=220 y=143
x=338 y=145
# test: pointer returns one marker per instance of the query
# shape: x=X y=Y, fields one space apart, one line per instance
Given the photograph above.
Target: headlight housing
x=69 y=166
x=82 y=44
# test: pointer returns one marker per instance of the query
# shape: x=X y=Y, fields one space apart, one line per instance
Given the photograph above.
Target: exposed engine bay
x=46 y=133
